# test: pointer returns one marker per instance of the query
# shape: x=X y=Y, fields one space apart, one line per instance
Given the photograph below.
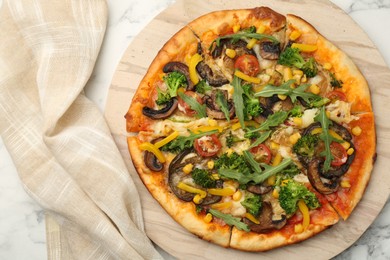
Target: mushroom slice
x=213 y=110
x=161 y=113
x=266 y=224
x=177 y=175
x=313 y=173
x=259 y=189
x=182 y=68
x=269 y=50
x=213 y=78
x=239 y=47
x=151 y=160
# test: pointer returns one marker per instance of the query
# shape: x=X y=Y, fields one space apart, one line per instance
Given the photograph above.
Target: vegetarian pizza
x=252 y=130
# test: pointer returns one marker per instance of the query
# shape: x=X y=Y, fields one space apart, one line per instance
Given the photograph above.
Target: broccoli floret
x=291 y=192
x=297 y=111
x=334 y=82
x=306 y=145
x=292 y=57
x=202 y=87
x=309 y=68
x=174 y=81
x=162 y=97
x=203 y=178
x=252 y=203
x=233 y=161
x=252 y=107
x=231 y=139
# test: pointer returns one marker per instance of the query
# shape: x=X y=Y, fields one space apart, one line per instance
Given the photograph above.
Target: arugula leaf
x=263 y=136
x=223 y=105
x=249 y=158
x=230 y=220
x=202 y=87
x=237 y=36
x=256 y=178
x=183 y=142
x=325 y=136
x=238 y=100
x=273 y=120
x=200 y=109
x=311 y=99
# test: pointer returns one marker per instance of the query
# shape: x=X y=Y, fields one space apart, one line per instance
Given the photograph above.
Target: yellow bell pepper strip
x=304 y=47
x=221 y=192
x=195 y=59
x=222 y=205
x=246 y=77
x=252 y=218
x=146 y=146
x=167 y=139
x=305 y=213
x=190 y=189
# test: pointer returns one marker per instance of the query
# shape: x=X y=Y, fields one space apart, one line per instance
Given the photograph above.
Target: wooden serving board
x=335 y=25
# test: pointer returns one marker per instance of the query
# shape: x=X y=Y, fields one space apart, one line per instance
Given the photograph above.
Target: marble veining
x=22 y=225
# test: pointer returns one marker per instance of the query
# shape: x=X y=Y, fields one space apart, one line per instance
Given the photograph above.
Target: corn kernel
x=230 y=53
x=345 y=184
x=297 y=79
x=294 y=35
x=327 y=66
x=271 y=180
x=294 y=138
x=261 y=29
x=297 y=121
x=297 y=72
x=237 y=195
x=350 y=151
x=275 y=193
x=210 y=164
x=212 y=122
x=215 y=176
x=327 y=114
x=282 y=97
x=188 y=168
x=208 y=218
x=346 y=145
x=229 y=151
x=274 y=146
x=303 y=79
x=287 y=74
x=236 y=28
x=356 y=130
x=298 y=228
x=314 y=89
x=197 y=199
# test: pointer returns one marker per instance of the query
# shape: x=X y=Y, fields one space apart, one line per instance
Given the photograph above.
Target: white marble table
x=22 y=225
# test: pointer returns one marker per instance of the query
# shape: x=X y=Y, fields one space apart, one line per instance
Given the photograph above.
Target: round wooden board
x=334 y=24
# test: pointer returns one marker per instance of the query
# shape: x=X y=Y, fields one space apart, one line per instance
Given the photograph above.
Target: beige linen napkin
x=61 y=146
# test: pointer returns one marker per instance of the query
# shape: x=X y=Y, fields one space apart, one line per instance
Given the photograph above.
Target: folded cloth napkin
x=59 y=141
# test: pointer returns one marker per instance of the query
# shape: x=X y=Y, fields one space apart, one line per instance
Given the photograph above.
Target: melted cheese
x=308 y=117
x=340 y=112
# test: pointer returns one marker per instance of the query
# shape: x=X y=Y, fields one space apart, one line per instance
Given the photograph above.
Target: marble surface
x=22 y=225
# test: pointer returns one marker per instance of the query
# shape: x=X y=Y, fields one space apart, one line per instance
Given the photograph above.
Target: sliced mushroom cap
x=177 y=175
x=213 y=110
x=259 y=189
x=151 y=160
x=313 y=173
x=213 y=78
x=182 y=68
x=269 y=50
x=165 y=112
x=266 y=224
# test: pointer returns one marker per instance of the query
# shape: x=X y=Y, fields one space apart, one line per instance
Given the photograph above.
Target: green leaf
x=237 y=36
x=256 y=178
x=230 y=220
x=325 y=136
x=200 y=109
x=273 y=120
x=255 y=165
x=223 y=104
x=311 y=99
x=263 y=136
x=238 y=100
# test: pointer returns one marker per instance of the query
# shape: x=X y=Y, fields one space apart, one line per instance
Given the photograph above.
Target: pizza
x=252 y=130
